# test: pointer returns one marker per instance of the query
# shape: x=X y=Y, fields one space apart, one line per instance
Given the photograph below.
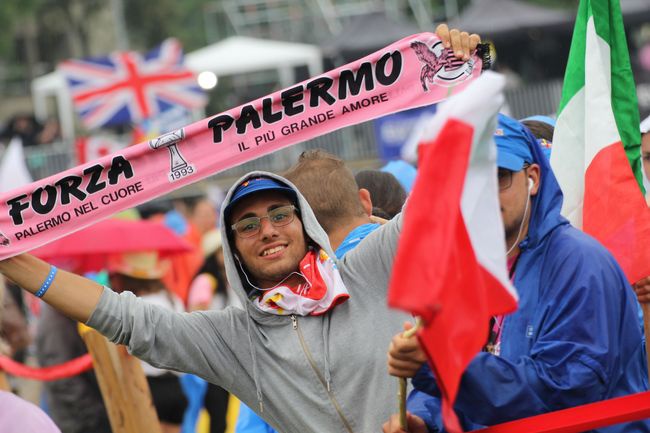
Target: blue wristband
x=48 y=282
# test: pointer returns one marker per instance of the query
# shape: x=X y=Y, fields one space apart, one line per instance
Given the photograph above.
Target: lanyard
x=493 y=345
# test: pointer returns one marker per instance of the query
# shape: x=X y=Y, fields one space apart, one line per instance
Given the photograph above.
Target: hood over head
x=516 y=145
x=250 y=184
x=234 y=272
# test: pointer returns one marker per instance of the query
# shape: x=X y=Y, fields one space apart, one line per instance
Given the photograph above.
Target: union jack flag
x=128 y=87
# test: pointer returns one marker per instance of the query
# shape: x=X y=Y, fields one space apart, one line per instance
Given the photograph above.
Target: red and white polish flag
x=450 y=267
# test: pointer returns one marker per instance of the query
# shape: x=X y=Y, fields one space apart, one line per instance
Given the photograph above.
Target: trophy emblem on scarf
x=4 y=241
x=179 y=167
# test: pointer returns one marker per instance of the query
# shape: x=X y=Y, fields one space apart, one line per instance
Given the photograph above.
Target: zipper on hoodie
x=326 y=385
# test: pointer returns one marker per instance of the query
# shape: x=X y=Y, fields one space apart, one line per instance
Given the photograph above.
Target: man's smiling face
x=273 y=253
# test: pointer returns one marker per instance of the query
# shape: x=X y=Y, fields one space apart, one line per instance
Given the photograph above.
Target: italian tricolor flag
x=596 y=156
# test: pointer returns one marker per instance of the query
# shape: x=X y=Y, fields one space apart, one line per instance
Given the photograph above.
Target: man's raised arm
x=73 y=295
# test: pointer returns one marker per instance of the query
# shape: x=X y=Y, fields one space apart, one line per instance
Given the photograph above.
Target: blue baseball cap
x=512 y=144
x=403 y=171
x=255 y=185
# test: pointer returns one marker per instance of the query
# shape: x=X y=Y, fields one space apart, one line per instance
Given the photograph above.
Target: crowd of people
x=30 y=131
x=284 y=305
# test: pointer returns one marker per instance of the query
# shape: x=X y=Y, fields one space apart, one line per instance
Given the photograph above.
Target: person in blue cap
x=309 y=320
x=341 y=207
x=403 y=171
x=575 y=337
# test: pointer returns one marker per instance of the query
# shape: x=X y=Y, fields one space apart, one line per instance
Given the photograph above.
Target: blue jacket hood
x=547 y=203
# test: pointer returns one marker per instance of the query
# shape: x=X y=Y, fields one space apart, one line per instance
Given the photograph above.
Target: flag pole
x=402 y=380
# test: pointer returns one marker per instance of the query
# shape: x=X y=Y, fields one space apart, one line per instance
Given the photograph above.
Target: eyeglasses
x=505 y=177
x=278 y=217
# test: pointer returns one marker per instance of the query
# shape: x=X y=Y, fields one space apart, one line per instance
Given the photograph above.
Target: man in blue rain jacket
x=575 y=337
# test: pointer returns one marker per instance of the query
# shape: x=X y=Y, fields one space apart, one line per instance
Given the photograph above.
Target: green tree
x=13 y=15
x=149 y=24
x=74 y=19
x=45 y=31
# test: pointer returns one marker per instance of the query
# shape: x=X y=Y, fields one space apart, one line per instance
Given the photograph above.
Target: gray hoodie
x=301 y=373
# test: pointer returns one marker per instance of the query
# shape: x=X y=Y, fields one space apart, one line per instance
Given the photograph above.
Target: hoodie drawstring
x=256 y=378
x=326 y=349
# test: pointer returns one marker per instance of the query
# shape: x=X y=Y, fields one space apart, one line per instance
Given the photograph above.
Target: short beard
x=276 y=277
x=513 y=231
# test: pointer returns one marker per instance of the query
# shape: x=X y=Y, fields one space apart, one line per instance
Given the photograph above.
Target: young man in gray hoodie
x=315 y=363
x=308 y=351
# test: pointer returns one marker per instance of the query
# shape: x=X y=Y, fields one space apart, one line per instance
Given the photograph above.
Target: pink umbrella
x=89 y=249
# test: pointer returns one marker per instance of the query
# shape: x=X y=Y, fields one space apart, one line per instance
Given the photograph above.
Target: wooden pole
x=4 y=383
x=123 y=385
x=402 y=381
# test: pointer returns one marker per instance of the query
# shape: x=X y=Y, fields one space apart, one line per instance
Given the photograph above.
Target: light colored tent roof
x=239 y=54
x=235 y=55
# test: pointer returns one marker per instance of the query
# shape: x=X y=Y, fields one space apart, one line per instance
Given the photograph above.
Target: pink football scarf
x=321 y=290
x=413 y=72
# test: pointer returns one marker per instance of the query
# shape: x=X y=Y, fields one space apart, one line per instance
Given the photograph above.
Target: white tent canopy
x=235 y=55
x=240 y=54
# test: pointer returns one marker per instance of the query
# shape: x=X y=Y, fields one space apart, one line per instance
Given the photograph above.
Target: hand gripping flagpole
x=401 y=396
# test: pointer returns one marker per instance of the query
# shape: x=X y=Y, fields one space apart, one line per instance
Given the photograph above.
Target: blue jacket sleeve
x=424 y=402
x=426 y=407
